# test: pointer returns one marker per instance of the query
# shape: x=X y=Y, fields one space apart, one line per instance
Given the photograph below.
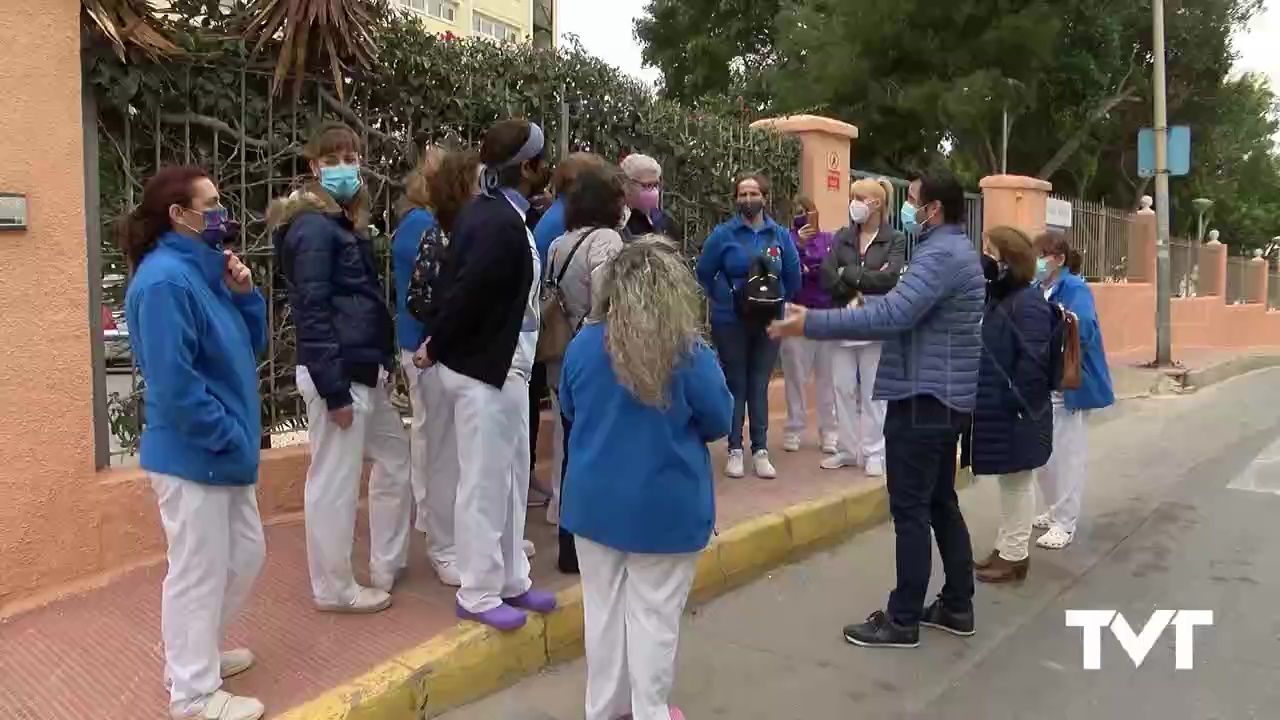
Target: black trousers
x=537 y=391
x=920 y=461
x=568 y=559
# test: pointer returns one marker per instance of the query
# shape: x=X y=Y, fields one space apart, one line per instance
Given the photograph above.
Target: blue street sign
x=1179 y=151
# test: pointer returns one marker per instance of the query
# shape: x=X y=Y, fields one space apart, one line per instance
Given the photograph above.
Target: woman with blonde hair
x=645 y=395
x=866 y=260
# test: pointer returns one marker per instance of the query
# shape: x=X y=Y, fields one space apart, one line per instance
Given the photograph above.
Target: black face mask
x=993 y=270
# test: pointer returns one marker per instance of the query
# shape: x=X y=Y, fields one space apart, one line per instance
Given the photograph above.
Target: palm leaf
x=313 y=33
x=130 y=23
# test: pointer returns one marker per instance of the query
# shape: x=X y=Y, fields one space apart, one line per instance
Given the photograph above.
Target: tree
x=921 y=77
x=709 y=47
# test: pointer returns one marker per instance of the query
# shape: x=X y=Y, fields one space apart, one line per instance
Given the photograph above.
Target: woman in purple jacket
x=802 y=357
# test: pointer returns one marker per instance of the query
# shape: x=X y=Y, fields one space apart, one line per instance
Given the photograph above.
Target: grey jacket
x=930 y=323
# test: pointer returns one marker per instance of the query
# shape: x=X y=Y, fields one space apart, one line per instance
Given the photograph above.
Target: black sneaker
x=880 y=631
x=938 y=617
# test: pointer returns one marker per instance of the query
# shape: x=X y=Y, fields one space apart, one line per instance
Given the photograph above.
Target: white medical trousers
x=215 y=549
x=435 y=459
x=492 y=430
x=1062 y=480
x=557 y=457
x=861 y=418
x=803 y=358
x=1017 y=510
x=631 y=605
x=332 y=493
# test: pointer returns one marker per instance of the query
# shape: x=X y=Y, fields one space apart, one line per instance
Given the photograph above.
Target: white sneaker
x=838 y=461
x=830 y=444
x=734 y=468
x=235 y=661
x=874 y=468
x=367 y=601
x=1042 y=522
x=761 y=465
x=791 y=442
x=219 y=705
x=1055 y=539
x=529 y=549
x=447 y=571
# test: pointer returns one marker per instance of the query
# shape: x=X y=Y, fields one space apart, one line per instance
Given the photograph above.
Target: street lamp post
x=1164 y=340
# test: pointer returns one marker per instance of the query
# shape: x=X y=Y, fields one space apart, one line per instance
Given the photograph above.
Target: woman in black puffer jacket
x=1013 y=420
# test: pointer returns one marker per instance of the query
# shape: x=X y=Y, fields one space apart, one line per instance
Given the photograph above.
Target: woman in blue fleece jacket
x=197 y=323
x=746 y=352
x=643 y=396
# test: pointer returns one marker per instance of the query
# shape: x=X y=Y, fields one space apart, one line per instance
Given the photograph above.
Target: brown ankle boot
x=987 y=561
x=1004 y=571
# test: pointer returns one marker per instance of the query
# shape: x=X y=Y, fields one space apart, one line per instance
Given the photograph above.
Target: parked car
x=115 y=339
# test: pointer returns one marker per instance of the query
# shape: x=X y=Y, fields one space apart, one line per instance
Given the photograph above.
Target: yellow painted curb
x=470 y=661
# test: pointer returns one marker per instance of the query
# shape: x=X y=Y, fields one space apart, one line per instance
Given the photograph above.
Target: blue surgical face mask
x=341 y=181
x=908 y=216
x=1042 y=269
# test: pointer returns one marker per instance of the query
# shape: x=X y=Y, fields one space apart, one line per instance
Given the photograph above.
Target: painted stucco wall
x=46 y=426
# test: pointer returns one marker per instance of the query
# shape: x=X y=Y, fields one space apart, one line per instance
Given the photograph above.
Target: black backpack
x=433 y=248
x=759 y=301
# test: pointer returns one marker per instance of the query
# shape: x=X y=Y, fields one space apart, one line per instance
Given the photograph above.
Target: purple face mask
x=647 y=200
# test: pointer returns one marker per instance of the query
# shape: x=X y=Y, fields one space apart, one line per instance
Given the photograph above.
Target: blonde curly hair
x=650 y=304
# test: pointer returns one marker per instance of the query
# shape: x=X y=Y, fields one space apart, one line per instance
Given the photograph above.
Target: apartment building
x=502 y=20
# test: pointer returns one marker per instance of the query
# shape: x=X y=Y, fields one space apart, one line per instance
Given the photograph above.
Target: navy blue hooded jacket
x=344 y=329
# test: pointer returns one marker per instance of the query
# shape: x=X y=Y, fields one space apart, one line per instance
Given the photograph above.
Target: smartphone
x=813 y=220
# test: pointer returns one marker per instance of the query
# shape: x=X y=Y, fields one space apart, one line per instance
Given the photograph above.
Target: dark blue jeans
x=748 y=358
x=920 y=436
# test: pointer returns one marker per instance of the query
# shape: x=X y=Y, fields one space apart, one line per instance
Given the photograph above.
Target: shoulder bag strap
x=572 y=251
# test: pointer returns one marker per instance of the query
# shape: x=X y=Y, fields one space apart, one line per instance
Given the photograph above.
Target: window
x=486 y=26
x=446 y=10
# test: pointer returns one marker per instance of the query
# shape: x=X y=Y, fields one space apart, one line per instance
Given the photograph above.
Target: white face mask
x=859 y=212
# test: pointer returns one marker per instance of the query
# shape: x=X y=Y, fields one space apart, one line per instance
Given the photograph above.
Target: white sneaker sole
x=902 y=646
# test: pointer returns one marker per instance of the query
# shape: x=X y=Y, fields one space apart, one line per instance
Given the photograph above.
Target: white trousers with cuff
x=1017 y=510
x=435 y=459
x=557 y=458
x=492 y=430
x=216 y=549
x=332 y=493
x=1062 y=480
x=860 y=416
x=632 y=606
x=803 y=358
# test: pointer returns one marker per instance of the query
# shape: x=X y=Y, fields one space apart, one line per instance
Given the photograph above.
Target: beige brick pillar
x=824 y=164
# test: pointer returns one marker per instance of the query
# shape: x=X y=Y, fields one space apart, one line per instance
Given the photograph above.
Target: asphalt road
x=1180 y=514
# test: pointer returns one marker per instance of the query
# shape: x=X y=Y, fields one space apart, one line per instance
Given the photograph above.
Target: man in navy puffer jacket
x=930 y=326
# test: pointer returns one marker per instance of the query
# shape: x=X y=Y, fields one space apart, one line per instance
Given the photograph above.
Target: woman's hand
x=421 y=360
x=790 y=326
x=808 y=232
x=237 y=276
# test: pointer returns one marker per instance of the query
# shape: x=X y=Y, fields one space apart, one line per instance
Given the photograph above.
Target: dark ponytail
x=1055 y=243
x=1075 y=261
x=138 y=231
